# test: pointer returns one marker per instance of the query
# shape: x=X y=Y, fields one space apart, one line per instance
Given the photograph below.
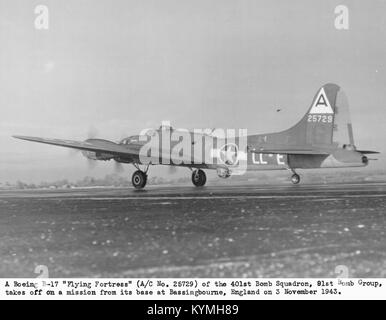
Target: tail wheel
x=295 y=179
x=139 y=179
x=198 y=178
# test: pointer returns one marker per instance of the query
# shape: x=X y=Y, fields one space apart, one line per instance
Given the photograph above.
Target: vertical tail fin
x=328 y=119
x=326 y=123
x=319 y=120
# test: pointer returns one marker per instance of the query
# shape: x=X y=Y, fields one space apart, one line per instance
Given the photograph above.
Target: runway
x=181 y=231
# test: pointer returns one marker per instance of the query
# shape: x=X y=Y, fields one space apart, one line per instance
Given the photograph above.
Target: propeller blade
x=92 y=133
x=91 y=163
x=73 y=152
x=118 y=167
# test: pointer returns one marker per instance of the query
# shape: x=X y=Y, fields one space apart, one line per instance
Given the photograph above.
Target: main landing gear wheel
x=198 y=178
x=295 y=179
x=139 y=179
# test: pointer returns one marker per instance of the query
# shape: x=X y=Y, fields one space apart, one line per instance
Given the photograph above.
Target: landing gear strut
x=198 y=178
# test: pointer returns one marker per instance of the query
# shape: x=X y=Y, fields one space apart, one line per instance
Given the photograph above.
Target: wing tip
x=22 y=137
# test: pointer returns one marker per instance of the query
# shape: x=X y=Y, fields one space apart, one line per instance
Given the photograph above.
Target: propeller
x=91 y=163
x=93 y=133
x=118 y=167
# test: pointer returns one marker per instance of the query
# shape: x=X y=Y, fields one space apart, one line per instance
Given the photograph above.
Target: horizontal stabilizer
x=368 y=152
x=288 y=151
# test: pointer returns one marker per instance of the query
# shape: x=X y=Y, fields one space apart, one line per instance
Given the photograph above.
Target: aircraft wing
x=104 y=146
x=94 y=145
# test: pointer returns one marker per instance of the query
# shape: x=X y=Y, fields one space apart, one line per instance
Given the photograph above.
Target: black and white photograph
x=190 y=140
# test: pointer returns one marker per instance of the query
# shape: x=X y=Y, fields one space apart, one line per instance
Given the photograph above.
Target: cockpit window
x=151 y=133
x=129 y=140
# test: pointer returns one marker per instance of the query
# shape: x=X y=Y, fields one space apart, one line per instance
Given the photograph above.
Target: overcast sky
x=121 y=66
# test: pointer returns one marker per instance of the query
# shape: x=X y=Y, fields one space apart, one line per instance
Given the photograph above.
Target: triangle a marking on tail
x=321 y=104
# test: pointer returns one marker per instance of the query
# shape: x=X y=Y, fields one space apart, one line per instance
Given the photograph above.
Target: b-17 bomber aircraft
x=323 y=138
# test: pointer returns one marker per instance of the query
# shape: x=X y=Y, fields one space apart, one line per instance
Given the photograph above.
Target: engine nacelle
x=223 y=173
x=97 y=155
